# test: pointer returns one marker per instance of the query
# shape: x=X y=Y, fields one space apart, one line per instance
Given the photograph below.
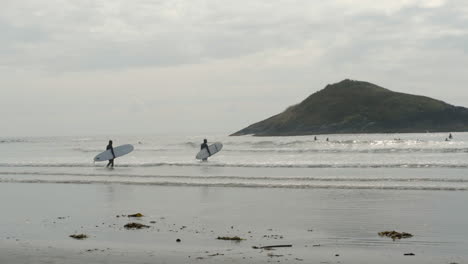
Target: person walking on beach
x=203 y=146
x=111 y=161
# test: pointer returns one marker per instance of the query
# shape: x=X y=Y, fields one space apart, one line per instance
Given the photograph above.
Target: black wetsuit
x=204 y=145
x=111 y=161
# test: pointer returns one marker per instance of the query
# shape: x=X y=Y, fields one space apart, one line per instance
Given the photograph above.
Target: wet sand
x=322 y=225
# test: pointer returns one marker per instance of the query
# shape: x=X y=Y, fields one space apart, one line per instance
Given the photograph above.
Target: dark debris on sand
x=135 y=226
x=395 y=235
x=270 y=247
x=135 y=215
x=79 y=236
x=235 y=238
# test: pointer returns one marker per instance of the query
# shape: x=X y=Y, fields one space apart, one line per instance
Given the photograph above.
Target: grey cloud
x=80 y=40
x=17 y=34
x=400 y=36
x=12 y=37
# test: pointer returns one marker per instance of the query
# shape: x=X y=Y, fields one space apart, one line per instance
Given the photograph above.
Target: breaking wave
x=244 y=185
x=97 y=151
x=337 y=151
x=12 y=140
x=240 y=165
x=262 y=178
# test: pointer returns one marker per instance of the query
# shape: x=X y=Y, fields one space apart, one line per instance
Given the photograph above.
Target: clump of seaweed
x=135 y=226
x=395 y=235
x=79 y=236
x=136 y=215
x=271 y=247
x=235 y=238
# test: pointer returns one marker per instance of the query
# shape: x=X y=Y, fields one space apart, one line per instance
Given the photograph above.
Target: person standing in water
x=205 y=145
x=111 y=161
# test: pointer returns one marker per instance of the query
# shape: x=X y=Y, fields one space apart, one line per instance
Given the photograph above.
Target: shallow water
x=379 y=161
x=344 y=222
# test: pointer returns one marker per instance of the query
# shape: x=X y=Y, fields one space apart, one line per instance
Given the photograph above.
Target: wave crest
x=242 y=165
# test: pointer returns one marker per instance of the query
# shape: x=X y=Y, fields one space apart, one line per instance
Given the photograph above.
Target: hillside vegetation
x=362 y=107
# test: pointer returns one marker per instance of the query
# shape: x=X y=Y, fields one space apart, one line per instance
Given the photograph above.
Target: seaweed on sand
x=235 y=238
x=79 y=236
x=395 y=235
x=135 y=226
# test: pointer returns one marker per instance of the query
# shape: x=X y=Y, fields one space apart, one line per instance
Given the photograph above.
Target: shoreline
x=395 y=179
x=248 y=186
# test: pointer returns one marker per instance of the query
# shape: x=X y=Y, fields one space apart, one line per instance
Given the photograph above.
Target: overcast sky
x=200 y=67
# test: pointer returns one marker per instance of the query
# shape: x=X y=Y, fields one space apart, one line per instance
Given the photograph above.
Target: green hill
x=362 y=107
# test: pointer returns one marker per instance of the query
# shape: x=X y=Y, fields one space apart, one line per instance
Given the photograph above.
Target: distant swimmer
x=315 y=138
x=327 y=140
x=203 y=146
x=450 y=136
x=111 y=161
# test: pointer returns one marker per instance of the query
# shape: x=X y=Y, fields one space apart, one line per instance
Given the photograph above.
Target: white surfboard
x=214 y=148
x=118 y=151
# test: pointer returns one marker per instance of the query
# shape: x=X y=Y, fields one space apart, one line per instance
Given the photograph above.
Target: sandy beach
x=322 y=225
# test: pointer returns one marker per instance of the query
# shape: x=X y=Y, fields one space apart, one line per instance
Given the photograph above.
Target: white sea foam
x=250 y=185
x=240 y=165
x=240 y=178
x=427 y=161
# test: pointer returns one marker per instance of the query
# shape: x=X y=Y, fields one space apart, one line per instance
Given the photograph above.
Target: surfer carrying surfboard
x=111 y=161
x=205 y=146
x=208 y=151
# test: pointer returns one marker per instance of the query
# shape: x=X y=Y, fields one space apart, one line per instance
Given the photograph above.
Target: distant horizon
x=179 y=133
x=208 y=136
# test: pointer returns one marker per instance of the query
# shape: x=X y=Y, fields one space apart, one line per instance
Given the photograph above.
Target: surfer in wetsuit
x=111 y=161
x=205 y=145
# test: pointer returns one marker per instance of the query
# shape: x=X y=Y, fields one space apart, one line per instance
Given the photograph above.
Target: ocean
x=358 y=161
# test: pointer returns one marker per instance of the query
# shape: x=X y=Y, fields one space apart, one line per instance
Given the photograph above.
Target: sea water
x=356 y=161
x=338 y=194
